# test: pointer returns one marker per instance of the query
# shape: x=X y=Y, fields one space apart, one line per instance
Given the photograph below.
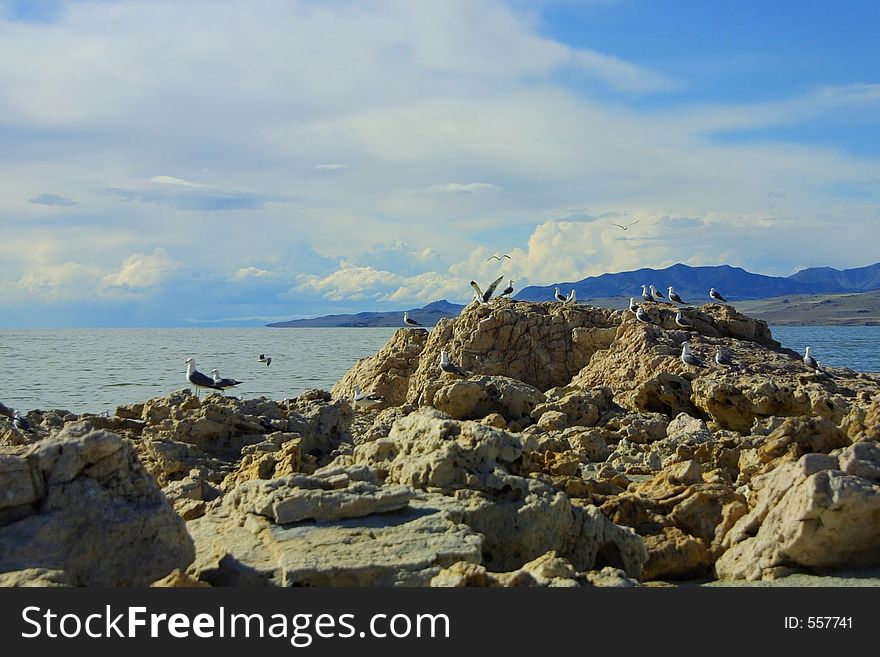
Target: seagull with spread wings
x=485 y=296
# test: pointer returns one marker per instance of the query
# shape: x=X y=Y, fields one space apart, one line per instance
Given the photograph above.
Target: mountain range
x=691 y=283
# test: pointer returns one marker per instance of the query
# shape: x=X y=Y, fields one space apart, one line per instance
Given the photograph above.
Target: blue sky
x=231 y=163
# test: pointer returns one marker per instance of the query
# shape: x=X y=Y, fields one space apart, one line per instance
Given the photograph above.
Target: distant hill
x=817 y=309
x=428 y=315
x=693 y=283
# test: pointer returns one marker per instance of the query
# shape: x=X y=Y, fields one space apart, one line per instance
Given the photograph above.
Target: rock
x=540 y=344
x=797 y=436
x=581 y=408
x=553 y=421
x=34 y=577
x=820 y=512
x=178 y=579
x=479 y=396
x=82 y=503
x=387 y=373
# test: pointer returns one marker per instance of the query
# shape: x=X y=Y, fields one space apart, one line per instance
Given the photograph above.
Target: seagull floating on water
x=723 y=358
x=811 y=362
x=559 y=296
x=409 y=321
x=681 y=321
x=673 y=295
x=485 y=296
x=266 y=359
x=198 y=379
x=715 y=295
x=497 y=257
x=222 y=383
x=447 y=366
x=689 y=358
x=632 y=223
x=645 y=294
x=365 y=399
x=508 y=290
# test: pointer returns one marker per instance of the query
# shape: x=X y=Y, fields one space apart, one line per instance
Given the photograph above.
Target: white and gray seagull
x=559 y=296
x=656 y=293
x=642 y=316
x=811 y=362
x=632 y=223
x=645 y=294
x=571 y=298
x=448 y=366
x=722 y=357
x=198 y=379
x=409 y=321
x=633 y=306
x=681 y=321
x=508 y=290
x=689 y=358
x=266 y=359
x=485 y=296
x=498 y=257
x=365 y=399
x=21 y=424
x=716 y=296
x=673 y=295
x=223 y=383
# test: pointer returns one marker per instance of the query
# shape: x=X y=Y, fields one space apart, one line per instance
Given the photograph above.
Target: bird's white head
x=644 y=288
x=670 y=289
x=190 y=360
x=712 y=290
x=444 y=357
x=685 y=347
x=807 y=352
x=215 y=371
x=405 y=315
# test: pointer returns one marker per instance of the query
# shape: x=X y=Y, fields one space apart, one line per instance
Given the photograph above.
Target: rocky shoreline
x=580 y=451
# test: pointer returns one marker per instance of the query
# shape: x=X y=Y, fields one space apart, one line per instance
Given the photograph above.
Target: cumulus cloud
x=66 y=280
x=462 y=188
x=141 y=271
x=252 y=272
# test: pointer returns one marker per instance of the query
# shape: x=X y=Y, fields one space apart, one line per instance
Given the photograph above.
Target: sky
x=236 y=162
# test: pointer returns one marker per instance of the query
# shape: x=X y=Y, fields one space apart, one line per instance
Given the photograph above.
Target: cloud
x=350 y=283
x=141 y=271
x=185 y=195
x=52 y=199
x=252 y=272
x=462 y=188
x=64 y=280
x=331 y=166
x=621 y=74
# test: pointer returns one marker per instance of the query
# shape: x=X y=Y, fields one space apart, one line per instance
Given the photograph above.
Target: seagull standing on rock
x=811 y=362
x=645 y=294
x=408 y=321
x=21 y=424
x=365 y=399
x=198 y=379
x=642 y=316
x=447 y=366
x=571 y=298
x=559 y=296
x=674 y=295
x=716 y=296
x=222 y=384
x=508 y=290
x=633 y=306
x=723 y=358
x=656 y=293
x=689 y=358
x=485 y=296
x=681 y=321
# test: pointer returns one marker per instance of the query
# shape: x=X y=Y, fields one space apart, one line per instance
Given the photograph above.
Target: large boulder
x=81 y=502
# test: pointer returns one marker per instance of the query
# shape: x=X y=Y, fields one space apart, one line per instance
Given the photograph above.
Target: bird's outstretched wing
x=477 y=289
x=491 y=289
x=494 y=257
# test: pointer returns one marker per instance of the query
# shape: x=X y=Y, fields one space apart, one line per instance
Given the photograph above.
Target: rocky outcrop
x=80 y=502
x=387 y=373
x=817 y=513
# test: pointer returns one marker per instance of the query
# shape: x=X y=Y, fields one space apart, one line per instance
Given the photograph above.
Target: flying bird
x=673 y=295
x=633 y=223
x=266 y=359
x=198 y=379
x=223 y=383
x=559 y=296
x=508 y=290
x=689 y=358
x=715 y=295
x=485 y=296
x=645 y=294
x=409 y=321
x=447 y=366
x=497 y=257
x=365 y=399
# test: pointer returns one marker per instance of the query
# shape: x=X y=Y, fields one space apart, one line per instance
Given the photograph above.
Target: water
x=92 y=370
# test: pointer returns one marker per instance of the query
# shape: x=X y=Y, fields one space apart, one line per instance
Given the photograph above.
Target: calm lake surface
x=93 y=370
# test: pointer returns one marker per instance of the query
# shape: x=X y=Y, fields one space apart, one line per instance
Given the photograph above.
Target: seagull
x=655 y=293
x=266 y=359
x=408 y=321
x=571 y=298
x=508 y=290
x=21 y=424
x=633 y=223
x=497 y=257
x=673 y=295
x=222 y=384
x=365 y=399
x=642 y=316
x=723 y=358
x=559 y=296
x=811 y=362
x=485 y=296
x=716 y=296
x=688 y=358
x=645 y=294
x=450 y=367
x=198 y=379
x=633 y=306
x=681 y=321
